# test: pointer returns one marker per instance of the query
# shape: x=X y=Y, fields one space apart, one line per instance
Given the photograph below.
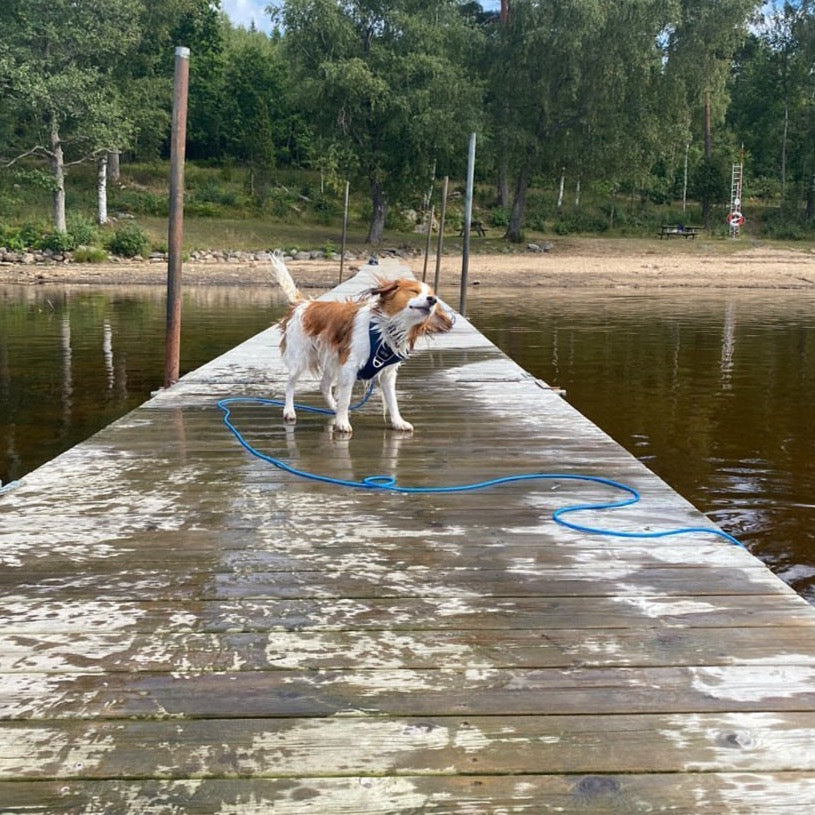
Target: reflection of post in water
x=728 y=345
x=67 y=370
x=10 y=451
x=107 y=352
x=675 y=370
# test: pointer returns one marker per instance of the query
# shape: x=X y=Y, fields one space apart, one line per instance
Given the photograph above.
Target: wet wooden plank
x=411 y=692
x=491 y=745
x=186 y=627
x=103 y=652
x=324 y=578
x=767 y=793
x=453 y=612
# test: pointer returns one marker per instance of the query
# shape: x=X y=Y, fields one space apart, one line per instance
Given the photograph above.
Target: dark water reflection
x=714 y=391
x=73 y=359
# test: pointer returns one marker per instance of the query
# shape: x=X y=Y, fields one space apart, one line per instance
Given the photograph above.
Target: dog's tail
x=284 y=279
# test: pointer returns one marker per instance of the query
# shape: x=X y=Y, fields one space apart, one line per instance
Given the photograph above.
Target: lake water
x=713 y=390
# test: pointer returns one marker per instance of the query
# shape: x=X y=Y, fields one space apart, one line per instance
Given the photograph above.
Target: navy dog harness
x=380 y=356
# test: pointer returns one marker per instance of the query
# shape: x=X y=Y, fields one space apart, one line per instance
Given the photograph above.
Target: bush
x=10 y=238
x=499 y=217
x=56 y=242
x=84 y=231
x=90 y=254
x=203 y=209
x=581 y=221
x=129 y=241
x=140 y=202
x=31 y=233
x=326 y=209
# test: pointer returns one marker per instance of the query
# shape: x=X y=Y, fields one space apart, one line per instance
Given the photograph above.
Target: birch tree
x=57 y=63
x=575 y=83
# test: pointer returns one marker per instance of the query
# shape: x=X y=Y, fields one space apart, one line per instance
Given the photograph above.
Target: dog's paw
x=402 y=425
x=289 y=417
x=342 y=428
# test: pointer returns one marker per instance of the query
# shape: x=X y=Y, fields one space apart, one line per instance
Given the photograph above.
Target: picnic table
x=680 y=230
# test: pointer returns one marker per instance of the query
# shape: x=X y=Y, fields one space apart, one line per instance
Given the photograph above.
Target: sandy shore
x=595 y=263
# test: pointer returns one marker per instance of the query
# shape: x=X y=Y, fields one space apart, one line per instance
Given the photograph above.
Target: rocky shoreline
x=625 y=265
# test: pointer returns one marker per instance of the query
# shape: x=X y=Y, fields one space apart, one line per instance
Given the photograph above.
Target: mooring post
x=176 y=229
x=344 y=228
x=440 y=244
x=427 y=244
x=468 y=216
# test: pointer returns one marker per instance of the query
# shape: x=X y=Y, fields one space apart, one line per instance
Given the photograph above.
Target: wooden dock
x=187 y=629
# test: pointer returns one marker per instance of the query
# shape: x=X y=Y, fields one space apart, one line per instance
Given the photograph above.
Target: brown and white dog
x=343 y=341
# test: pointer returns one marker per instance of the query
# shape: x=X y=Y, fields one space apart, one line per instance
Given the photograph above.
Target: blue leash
x=388 y=483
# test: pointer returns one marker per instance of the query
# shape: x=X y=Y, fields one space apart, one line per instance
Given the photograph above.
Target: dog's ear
x=439 y=322
x=384 y=288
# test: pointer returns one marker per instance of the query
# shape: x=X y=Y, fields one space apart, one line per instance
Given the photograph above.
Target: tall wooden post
x=344 y=227
x=468 y=216
x=176 y=228
x=440 y=244
x=427 y=243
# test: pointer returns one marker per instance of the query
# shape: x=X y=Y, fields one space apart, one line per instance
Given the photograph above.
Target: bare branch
x=39 y=150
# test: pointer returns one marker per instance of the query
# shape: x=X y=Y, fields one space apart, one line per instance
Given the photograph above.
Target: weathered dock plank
x=186 y=628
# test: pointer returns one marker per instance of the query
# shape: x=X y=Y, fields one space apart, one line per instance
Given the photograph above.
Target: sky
x=242 y=12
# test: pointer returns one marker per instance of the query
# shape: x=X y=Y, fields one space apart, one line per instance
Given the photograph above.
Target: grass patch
x=230 y=208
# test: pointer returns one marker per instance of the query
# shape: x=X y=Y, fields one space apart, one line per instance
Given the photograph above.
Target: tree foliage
x=59 y=56
x=610 y=94
x=386 y=86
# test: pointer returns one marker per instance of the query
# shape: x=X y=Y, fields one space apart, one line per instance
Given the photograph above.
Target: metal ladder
x=735 y=199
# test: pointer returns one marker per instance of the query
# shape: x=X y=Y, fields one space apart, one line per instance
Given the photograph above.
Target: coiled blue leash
x=388 y=483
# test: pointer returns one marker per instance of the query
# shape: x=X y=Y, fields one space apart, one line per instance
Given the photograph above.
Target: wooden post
x=468 y=216
x=344 y=227
x=176 y=228
x=427 y=244
x=440 y=244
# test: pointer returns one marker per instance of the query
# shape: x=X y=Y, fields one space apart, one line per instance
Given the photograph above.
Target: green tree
x=147 y=76
x=261 y=126
x=700 y=50
x=542 y=66
x=576 y=85
x=58 y=60
x=388 y=85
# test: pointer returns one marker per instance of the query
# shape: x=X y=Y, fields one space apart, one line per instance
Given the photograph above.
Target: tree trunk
x=502 y=186
x=561 y=189
x=514 y=231
x=114 y=170
x=503 y=183
x=102 y=188
x=377 y=228
x=708 y=161
x=58 y=171
x=784 y=151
